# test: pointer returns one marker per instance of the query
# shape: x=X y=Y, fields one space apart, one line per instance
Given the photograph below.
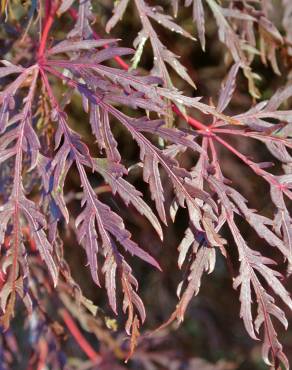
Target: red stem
x=83 y=343
x=48 y=5
x=192 y=121
x=48 y=24
x=255 y=167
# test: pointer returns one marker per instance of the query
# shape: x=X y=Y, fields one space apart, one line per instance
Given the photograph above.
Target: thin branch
x=49 y=22
x=80 y=339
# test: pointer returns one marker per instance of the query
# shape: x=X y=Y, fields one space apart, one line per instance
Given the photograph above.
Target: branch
x=48 y=24
x=80 y=339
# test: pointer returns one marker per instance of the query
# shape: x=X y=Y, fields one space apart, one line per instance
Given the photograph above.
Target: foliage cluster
x=39 y=148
